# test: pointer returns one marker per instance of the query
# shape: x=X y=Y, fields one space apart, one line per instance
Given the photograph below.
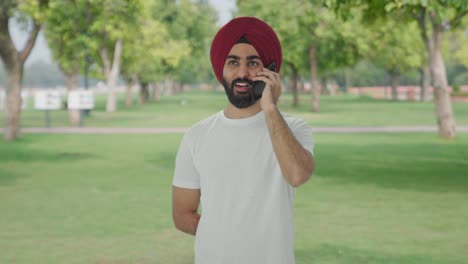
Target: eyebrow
x=250 y=57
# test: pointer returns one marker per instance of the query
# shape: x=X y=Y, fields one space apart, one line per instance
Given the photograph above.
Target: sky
x=41 y=50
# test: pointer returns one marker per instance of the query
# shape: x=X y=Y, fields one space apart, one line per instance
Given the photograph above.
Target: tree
x=193 y=23
x=439 y=17
x=67 y=35
x=460 y=47
x=286 y=25
x=109 y=26
x=157 y=47
x=395 y=47
x=455 y=51
x=34 y=12
x=196 y=25
x=340 y=46
x=149 y=52
x=315 y=42
x=310 y=20
x=424 y=69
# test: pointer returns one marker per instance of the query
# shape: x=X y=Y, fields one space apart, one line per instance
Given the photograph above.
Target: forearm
x=296 y=163
x=187 y=223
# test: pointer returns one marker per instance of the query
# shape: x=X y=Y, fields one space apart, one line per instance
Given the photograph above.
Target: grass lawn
x=172 y=111
x=375 y=198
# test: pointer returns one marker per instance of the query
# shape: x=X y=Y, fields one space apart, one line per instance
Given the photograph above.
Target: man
x=244 y=162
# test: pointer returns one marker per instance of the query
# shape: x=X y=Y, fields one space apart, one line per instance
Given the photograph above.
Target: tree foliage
x=193 y=24
x=150 y=49
x=395 y=46
x=315 y=41
x=67 y=33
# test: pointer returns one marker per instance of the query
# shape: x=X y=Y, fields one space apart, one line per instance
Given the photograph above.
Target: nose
x=243 y=71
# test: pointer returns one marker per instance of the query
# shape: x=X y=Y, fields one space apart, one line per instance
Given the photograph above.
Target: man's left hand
x=272 y=90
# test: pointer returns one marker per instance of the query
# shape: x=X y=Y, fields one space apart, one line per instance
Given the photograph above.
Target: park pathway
x=165 y=130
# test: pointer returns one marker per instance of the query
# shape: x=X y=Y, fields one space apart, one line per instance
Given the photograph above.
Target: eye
x=254 y=63
x=232 y=62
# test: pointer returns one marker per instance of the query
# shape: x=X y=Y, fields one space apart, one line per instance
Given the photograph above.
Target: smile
x=241 y=87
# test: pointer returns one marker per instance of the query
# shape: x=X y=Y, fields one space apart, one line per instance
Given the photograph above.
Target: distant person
x=244 y=162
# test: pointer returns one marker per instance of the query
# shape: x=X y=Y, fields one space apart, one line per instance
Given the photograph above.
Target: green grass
x=184 y=109
x=375 y=198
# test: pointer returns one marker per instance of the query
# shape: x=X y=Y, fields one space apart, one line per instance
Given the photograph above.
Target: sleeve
x=303 y=133
x=185 y=173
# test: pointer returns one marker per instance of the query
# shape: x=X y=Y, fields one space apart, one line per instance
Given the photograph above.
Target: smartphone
x=258 y=86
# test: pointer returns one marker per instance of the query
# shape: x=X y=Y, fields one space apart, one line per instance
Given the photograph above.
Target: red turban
x=257 y=32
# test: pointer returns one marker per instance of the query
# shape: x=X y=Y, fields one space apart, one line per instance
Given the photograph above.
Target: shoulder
x=200 y=127
x=197 y=135
x=197 y=131
x=301 y=130
x=294 y=122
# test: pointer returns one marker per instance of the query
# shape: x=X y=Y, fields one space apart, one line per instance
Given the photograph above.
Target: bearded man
x=237 y=171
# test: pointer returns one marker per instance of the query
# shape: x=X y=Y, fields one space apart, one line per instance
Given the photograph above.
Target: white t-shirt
x=247 y=206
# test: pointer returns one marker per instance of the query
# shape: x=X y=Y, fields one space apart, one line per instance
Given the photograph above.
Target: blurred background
x=96 y=94
x=394 y=50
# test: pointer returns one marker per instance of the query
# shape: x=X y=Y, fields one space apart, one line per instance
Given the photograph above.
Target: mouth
x=241 y=87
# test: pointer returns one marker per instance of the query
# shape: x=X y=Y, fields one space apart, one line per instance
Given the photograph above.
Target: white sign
x=81 y=99
x=24 y=99
x=3 y=100
x=47 y=100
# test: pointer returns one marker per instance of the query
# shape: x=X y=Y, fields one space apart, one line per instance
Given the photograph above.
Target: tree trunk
x=13 y=62
x=294 y=80
x=314 y=79
x=112 y=73
x=177 y=87
x=168 y=87
x=156 y=92
x=144 y=93
x=72 y=84
x=131 y=81
x=332 y=87
x=425 y=82
x=394 y=81
x=443 y=103
x=323 y=86
x=300 y=85
x=128 y=94
x=111 y=103
x=293 y=84
x=12 y=114
x=347 y=80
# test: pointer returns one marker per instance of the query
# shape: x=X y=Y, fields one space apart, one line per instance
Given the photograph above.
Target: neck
x=233 y=112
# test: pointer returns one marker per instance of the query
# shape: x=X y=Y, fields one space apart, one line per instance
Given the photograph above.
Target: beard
x=239 y=100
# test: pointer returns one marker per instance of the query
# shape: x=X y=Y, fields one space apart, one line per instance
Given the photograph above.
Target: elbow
x=187 y=223
x=179 y=225
x=299 y=179
x=302 y=175
x=179 y=221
